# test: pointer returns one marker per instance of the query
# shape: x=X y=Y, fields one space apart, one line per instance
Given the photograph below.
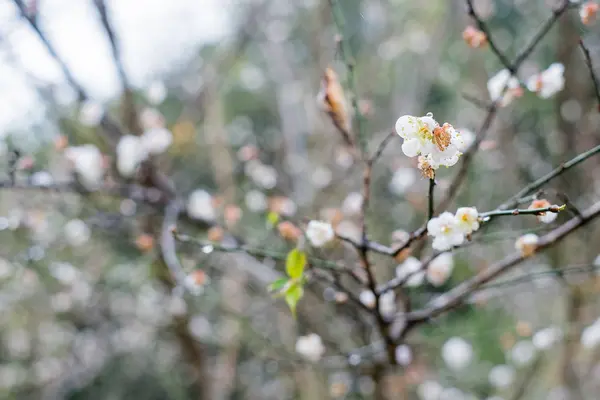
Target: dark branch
x=590 y=65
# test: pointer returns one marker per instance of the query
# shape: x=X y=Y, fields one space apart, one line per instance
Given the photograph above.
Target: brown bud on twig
x=331 y=97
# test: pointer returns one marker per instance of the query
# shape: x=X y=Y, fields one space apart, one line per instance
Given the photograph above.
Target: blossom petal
x=406 y=126
x=411 y=147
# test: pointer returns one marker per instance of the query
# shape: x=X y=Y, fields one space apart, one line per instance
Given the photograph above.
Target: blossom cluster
x=133 y=150
x=435 y=144
x=450 y=230
x=504 y=87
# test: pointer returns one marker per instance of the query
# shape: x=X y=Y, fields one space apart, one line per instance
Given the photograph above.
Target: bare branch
x=167 y=243
x=590 y=65
x=457 y=295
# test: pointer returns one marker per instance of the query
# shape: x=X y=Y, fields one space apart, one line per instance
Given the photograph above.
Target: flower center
x=442 y=136
x=445 y=229
x=423 y=131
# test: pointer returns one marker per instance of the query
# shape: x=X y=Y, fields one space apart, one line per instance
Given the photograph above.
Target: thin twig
x=381 y=147
x=512 y=201
x=532 y=211
x=457 y=295
x=253 y=251
x=590 y=65
x=430 y=199
x=167 y=243
x=346 y=54
x=483 y=27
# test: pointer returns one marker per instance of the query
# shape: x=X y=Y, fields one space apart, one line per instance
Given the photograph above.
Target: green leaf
x=272 y=218
x=294 y=263
x=277 y=285
x=293 y=296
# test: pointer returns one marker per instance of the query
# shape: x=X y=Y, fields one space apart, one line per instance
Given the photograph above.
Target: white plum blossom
x=310 y=347
x=195 y=283
x=130 y=154
x=501 y=83
x=76 y=232
x=445 y=231
x=523 y=353
x=200 y=206
x=546 y=217
x=367 y=298
x=440 y=269
x=527 y=244
x=156 y=140
x=424 y=136
x=403 y=355
x=502 y=376
x=590 y=337
x=457 y=353
x=410 y=270
x=545 y=338
x=88 y=164
x=319 y=233
x=417 y=134
x=387 y=304
x=548 y=82
x=467 y=219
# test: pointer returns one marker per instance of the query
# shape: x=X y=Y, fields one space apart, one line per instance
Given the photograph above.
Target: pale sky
x=154 y=35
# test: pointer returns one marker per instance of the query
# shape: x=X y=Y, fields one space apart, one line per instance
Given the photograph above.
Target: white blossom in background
x=468 y=138
x=548 y=82
x=42 y=178
x=156 y=140
x=527 y=244
x=349 y=229
x=91 y=113
x=256 y=201
x=440 y=269
x=501 y=376
x=64 y=272
x=321 y=177
x=546 y=338
x=151 y=118
x=402 y=180
x=457 y=353
x=590 y=336
x=352 y=204
x=410 y=270
x=596 y=262
x=319 y=233
x=76 y=232
x=588 y=12
x=263 y=175
x=195 y=282
x=498 y=82
x=88 y=164
x=467 y=219
x=446 y=232
x=130 y=154
x=200 y=206
x=310 y=347
x=429 y=390
x=367 y=298
x=156 y=93
x=523 y=353
x=387 y=304
x=403 y=355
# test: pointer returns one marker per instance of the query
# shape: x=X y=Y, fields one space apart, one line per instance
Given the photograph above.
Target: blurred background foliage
x=87 y=309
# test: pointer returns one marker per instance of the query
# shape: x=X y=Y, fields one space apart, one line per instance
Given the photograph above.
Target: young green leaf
x=277 y=285
x=272 y=219
x=293 y=296
x=294 y=263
